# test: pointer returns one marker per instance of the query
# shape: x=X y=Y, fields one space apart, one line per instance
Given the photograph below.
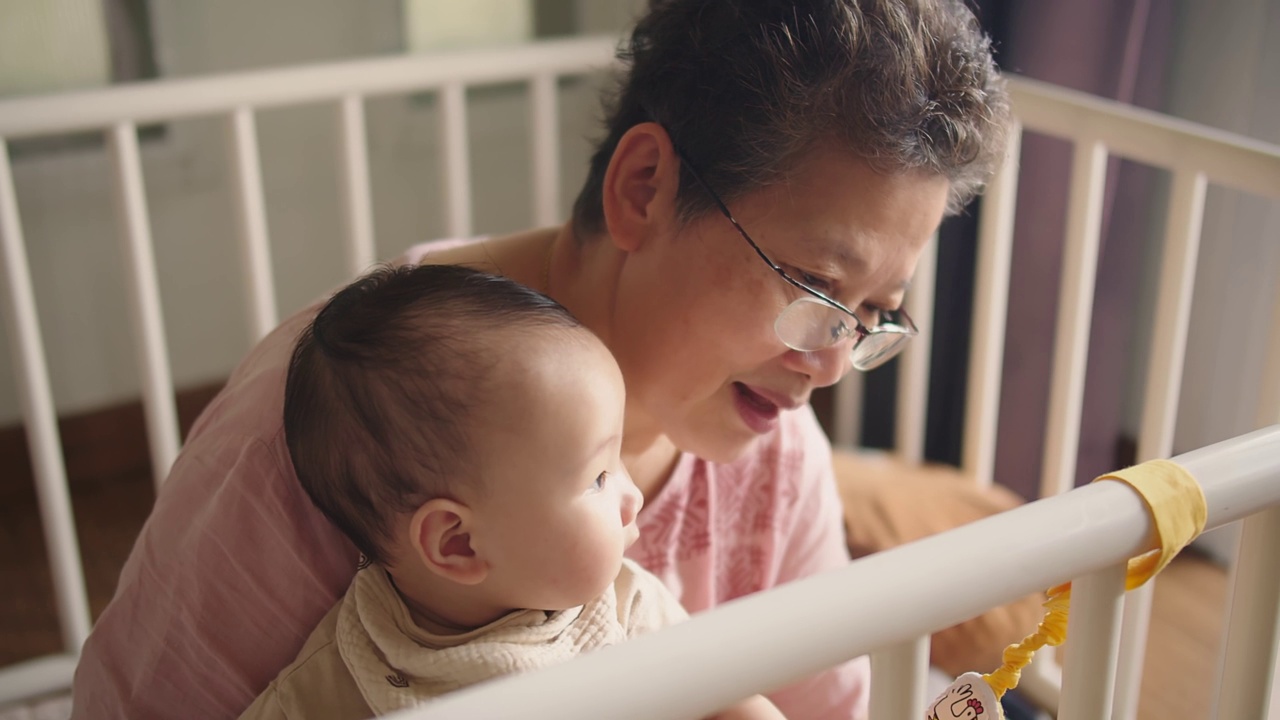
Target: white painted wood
x=144 y=296
x=457 y=165
x=1160 y=402
x=1249 y=655
x=1041 y=681
x=544 y=116
x=1173 y=315
x=36 y=677
x=353 y=176
x=1269 y=392
x=990 y=309
x=899 y=675
x=807 y=625
x=1075 y=305
x=913 y=377
x=251 y=216
x=846 y=428
x=1149 y=137
x=1088 y=676
x=323 y=82
x=40 y=419
x=1133 y=650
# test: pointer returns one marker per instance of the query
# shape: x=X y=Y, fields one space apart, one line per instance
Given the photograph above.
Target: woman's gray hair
x=746 y=88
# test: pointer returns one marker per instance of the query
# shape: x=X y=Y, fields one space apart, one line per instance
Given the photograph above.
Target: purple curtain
x=1115 y=49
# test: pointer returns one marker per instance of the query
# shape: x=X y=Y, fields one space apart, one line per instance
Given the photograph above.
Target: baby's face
x=559 y=508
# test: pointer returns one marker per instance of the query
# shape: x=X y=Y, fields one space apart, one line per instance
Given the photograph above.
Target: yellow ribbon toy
x=1177 y=508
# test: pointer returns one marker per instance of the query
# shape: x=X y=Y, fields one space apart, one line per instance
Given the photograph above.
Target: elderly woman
x=769 y=176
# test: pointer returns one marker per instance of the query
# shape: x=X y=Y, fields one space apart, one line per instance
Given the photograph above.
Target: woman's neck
x=649 y=463
x=584 y=274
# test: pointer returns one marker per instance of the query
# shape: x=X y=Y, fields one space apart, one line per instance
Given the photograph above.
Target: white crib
x=871 y=606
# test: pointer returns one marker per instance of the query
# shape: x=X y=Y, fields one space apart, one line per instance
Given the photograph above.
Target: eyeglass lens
x=809 y=325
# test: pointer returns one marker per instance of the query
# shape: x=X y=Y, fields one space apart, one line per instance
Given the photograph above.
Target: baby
x=464 y=432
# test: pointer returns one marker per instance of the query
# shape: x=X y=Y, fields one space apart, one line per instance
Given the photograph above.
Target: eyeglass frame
x=910 y=329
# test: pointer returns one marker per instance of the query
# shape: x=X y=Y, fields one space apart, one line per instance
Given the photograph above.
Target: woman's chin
x=724 y=444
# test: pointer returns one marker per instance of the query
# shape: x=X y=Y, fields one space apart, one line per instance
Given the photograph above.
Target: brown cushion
x=888 y=502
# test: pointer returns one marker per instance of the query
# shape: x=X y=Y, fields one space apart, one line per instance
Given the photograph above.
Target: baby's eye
x=600 y=479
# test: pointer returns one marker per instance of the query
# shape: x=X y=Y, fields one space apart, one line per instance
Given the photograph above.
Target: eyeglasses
x=816 y=322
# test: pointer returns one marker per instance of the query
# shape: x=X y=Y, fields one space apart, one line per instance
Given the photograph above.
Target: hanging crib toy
x=1177 y=508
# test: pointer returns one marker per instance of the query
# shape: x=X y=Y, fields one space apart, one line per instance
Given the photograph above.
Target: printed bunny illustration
x=958 y=703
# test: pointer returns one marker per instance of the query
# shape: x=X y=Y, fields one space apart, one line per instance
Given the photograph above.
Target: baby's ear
x=440 y=532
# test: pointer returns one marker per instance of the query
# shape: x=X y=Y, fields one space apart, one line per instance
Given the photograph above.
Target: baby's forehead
x=548 y=351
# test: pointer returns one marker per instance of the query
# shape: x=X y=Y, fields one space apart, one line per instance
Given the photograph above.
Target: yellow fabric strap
x=1177 y=508
x=1178 y=512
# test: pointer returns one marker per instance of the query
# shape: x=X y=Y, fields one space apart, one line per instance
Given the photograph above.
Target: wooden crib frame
x=1085 y=533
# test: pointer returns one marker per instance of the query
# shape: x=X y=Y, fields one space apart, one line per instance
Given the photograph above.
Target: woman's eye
x=599 y=482
x=813 y=281
x=870 y=315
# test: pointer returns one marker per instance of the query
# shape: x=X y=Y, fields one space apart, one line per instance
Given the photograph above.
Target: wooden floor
x=1186 y=622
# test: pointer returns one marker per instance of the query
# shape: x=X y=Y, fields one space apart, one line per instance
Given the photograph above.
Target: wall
x=65 y=198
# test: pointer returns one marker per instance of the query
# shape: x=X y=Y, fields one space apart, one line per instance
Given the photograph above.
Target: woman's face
x=693 y=325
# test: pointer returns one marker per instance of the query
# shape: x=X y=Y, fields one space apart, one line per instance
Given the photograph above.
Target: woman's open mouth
x=757 y=412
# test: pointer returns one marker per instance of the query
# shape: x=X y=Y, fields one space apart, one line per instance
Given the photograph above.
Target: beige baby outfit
x=368 y=657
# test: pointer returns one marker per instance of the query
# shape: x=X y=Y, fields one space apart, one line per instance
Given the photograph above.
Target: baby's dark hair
x=746 y=88
x=385 y=385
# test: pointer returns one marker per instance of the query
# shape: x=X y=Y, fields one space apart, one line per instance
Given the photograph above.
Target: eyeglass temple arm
x=725 y=210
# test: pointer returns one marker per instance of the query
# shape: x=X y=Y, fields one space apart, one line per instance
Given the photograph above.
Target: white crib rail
x=768 y=640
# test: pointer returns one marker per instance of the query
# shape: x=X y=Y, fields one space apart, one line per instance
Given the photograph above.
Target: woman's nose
x=824 y=367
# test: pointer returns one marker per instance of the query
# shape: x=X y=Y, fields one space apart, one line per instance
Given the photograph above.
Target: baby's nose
x=632 y=501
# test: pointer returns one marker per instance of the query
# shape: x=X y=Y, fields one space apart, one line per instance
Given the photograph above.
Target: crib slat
x=1133 y=650
x=457 y=168
x=40 y=419
x=255 y=252
x=353 y=174
x=144 y=291
x=846 y=428
x=1269 y=401
x=898 y=675
x=1173 y=315
x=990 y=305
x=1160 y=401
x=545 y=125
x=1249 y=661
x=913 y=377
x=1041 y=682
x=1075 y=304
x=1088 y=676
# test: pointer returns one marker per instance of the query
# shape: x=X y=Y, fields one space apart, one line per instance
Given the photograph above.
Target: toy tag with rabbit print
x=970 y=697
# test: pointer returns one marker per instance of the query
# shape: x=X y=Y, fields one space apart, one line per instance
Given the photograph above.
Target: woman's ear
x=640 y=185
x=440 y=532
